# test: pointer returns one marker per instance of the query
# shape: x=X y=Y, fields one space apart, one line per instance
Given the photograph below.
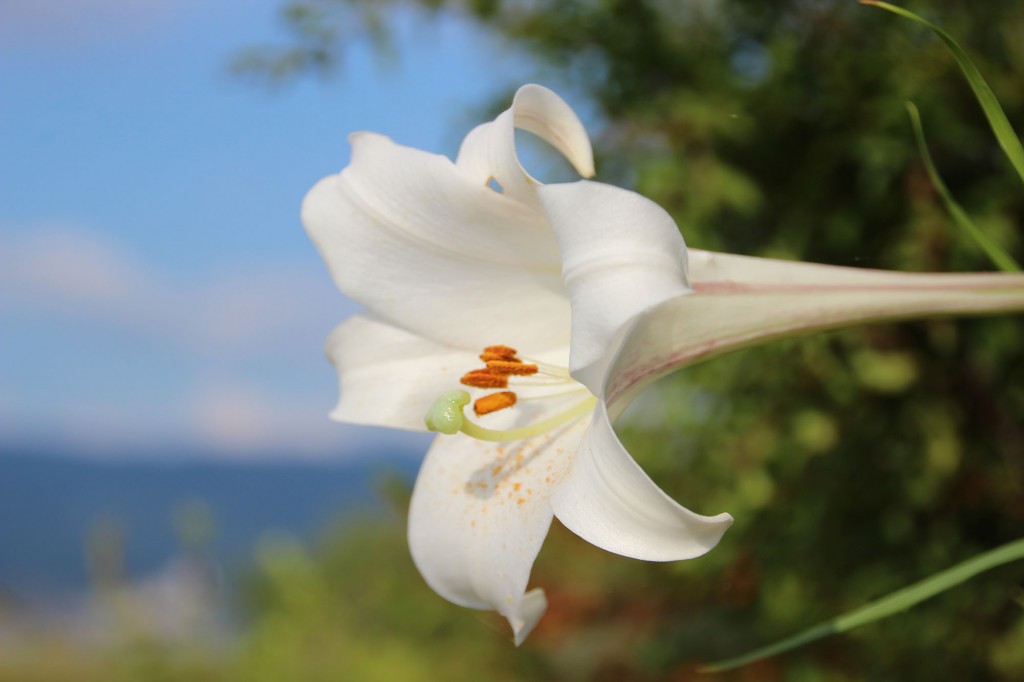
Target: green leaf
x=884 y=607
x=999 y=256
x=1005 y=134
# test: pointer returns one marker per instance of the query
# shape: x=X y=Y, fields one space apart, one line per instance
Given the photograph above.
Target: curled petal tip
x=608 y=500
x=531 y=608
x=543 y=113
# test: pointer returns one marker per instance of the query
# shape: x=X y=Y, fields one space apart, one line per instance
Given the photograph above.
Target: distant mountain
x=50 y=505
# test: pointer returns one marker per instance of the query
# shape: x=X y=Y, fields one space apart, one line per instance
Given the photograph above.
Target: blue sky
x=157 y=292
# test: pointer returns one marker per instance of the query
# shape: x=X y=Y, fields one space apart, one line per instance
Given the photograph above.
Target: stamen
x=505 y=368
x=511 y=368
x=540 y=380
x=547 y=368
x=498 y=353
x=557 y=394
x=484 y=378
x=494 y=402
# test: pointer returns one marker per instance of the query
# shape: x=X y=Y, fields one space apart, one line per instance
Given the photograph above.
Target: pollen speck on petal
x=494 y=402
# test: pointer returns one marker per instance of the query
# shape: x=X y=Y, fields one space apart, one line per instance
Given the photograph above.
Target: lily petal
x=406 y=234
x=610 y=502
x=621 y=254
x=741 y=301
x=489 y=151
x=388 y=376
x=479 y=514
x=714 y=272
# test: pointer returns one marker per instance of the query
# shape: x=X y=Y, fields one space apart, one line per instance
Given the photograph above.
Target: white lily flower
x=554 y=305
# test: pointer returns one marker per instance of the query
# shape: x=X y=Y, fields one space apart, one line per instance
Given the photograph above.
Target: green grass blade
x=900 y=600
x=1005 y=134
x=999 y=256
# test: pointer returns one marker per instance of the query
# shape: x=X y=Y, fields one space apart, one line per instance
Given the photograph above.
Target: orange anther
x=494 y=402
x=515 y=368
x=498 y=353
x=484 y=378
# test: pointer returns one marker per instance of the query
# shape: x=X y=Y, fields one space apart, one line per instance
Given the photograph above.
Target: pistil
x=446 y=416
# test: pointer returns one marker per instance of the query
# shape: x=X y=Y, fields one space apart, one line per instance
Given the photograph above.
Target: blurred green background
x=853 y=462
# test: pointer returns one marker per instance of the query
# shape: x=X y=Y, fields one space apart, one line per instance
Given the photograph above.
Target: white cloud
x=242 y=419
x=59 y=22
x=241 y=336
x=72 y=272
x=245 y=422
x=229 y=421
x=68 y=268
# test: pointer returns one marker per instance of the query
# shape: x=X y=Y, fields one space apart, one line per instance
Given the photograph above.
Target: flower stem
x=896 y=602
